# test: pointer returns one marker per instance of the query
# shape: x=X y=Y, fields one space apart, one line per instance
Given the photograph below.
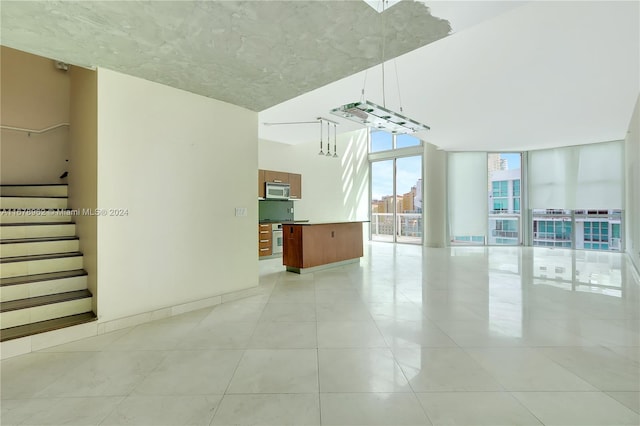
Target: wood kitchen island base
x=321 y=267
x=309 y=247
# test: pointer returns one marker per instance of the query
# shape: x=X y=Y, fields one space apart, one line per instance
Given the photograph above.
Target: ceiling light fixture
x=373 y=115
x=328 y=154
x=320 y=120
x=376 y=116
x=321 y=152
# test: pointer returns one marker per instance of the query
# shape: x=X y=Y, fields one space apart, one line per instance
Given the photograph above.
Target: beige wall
x=178 y=164
x=35 y=95
x=83 y=166
x=632 y=210
x=332 y=188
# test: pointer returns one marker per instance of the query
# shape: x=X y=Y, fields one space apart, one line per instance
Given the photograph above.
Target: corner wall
x=35 y=95
x=83 y=167
x=332 y=188
x=632 y=167
x=172 y=166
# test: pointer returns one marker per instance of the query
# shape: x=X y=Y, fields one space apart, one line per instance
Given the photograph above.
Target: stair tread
x=25 y=279
x=33 y=196
x=36 y=223
x=44 y=326
x=31 y=257
x=14 y=305
x=37 y=240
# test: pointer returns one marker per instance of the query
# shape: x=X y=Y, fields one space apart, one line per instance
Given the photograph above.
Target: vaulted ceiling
x=485 y=75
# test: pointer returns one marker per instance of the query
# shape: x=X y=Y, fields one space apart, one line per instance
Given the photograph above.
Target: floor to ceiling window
x=504 y=177
x=396 y=188
x=576 y=195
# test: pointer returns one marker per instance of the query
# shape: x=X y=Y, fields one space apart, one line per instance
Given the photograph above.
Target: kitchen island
x=309 y=247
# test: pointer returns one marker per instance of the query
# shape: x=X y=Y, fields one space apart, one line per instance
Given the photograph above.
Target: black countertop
x=306 y=222
x=283 y=221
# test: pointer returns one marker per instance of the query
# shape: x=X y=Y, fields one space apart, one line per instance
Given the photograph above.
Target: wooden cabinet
x=309 y=245
x=295 y=183
x=293 y=179
x=277 y=177
x=261 y=182
x=265 y=240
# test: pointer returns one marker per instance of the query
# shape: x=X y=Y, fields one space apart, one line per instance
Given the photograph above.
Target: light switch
x=241 y=211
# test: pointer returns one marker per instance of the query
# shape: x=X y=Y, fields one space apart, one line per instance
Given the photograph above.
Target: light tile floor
x=411 y=336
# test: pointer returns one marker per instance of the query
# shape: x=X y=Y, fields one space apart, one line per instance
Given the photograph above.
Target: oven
x=277 y=239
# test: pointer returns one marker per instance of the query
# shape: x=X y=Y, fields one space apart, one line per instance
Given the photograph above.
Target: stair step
x=33 y=246
x=44 y=326
x=49 y=299
x=40 y=190
x=23 y=287
x=25 y=279
x=10 y=202
x=35 y=309
x=40 y=264
x=13 y=231
x=34 y=216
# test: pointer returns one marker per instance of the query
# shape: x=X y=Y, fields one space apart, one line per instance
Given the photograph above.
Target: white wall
x=632 y=158
x=332 y=188
x=179 y=163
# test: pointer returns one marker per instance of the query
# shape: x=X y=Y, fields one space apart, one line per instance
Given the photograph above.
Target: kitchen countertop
x=308 y=223
x=283 y=221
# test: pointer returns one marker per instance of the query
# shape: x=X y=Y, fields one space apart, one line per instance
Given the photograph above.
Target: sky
x=409 y=170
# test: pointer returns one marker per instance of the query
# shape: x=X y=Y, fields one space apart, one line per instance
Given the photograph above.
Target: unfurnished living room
x=359 y=212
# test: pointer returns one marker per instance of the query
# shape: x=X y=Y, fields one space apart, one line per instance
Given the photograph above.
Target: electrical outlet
x=241 y=211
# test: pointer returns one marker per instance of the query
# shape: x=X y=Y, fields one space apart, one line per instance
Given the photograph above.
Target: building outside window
x=579 y=229
x=505 y=174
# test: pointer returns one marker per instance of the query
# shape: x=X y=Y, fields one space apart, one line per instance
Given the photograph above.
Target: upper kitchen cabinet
x=295 y=184
x=277 y=177
x=261 y=182
x=272 y=176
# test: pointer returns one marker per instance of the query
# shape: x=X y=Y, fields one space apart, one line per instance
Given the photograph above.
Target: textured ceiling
x=255 y=54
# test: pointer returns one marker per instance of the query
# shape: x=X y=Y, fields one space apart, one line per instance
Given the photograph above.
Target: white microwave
x=277 y=191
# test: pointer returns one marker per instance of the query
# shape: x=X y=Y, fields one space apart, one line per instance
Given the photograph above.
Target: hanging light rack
x=370 y=114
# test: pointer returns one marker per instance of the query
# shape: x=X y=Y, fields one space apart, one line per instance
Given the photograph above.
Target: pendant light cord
x=384 y=102
x=395 y=64
x=364 y=84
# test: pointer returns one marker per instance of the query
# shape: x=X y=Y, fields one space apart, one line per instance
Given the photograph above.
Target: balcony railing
x=407 y=224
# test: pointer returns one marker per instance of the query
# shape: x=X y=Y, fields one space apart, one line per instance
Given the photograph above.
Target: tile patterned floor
x=411 y=336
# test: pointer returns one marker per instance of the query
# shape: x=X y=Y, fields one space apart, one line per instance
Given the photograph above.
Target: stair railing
x=29 y=131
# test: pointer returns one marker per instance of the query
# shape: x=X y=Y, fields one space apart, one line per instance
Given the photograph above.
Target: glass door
x=382 y=201
x=409 y=200
x=396 y=200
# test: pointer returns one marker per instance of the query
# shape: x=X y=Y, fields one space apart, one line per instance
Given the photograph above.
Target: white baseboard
x=36 y=342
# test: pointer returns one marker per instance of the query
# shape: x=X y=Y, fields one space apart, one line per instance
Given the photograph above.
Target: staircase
x=43 y=285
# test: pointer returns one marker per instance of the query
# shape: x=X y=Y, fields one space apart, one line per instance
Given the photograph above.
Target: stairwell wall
x=172 y=167
x=83 y=167
x=35 y=95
